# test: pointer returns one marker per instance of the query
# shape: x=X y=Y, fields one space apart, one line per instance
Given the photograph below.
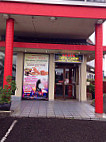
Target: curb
x=5 y=114
x=59 y=117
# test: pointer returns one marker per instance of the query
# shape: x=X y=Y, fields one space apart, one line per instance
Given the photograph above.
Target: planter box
x=4 y=114
x=5 y=106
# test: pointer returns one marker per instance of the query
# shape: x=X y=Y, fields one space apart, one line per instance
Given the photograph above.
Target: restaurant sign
x=68 y=58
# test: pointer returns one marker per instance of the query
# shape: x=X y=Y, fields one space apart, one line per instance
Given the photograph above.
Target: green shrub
x=7 y=91
x=91 y=89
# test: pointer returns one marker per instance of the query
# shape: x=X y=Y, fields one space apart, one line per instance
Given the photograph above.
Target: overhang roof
x=42 y=27
x=72 y=11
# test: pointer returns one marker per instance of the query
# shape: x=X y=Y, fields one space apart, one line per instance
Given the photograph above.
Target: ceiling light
x=100 y=21
x=6 y=16
x=53 y=18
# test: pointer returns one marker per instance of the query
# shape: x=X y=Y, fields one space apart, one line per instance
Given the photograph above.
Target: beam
x=53 y=10
x=51 y=46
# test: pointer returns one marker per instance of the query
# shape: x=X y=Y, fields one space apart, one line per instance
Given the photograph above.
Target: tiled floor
x=62 y=109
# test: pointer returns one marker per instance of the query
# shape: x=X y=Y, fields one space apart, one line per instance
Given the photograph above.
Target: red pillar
x=98 y=69
x=8 y=49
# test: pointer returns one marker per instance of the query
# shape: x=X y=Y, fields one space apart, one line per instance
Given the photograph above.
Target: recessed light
x=100 y=21
x=53 y=18
x=6 y=16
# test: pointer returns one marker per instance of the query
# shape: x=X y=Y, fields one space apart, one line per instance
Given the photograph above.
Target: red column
x=8 y=49
x=98 y=69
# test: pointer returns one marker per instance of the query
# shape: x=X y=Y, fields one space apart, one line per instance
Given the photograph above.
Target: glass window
x=1 y=68
x=2 y=56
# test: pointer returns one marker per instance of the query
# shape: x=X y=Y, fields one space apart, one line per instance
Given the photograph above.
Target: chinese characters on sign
x=69 y=58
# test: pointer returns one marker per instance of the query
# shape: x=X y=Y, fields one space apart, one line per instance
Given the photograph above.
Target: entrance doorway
x=65 y=81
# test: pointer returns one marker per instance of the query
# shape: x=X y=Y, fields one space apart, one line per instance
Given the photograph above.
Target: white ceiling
x=43 y=27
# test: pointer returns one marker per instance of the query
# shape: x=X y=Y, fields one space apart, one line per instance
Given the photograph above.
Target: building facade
x=49 y=42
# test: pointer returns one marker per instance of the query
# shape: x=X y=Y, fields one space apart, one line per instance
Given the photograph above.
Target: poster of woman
x=35 y=80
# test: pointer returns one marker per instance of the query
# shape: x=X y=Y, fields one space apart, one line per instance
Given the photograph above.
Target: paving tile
x=39 y=115
x=24 y=114
x=51 y=115
x=68 y=116
x=61 y=109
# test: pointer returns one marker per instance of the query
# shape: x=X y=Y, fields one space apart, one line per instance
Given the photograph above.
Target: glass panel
x=14 y=66
x=59 y=82
x=2 y=56
x=73 y=82
x=67 y=76
x=68 y=91
x=77 y=76
x=70 y=79
x=73 y=75
x=59 y=90
x=59 y=75
x=1 y=68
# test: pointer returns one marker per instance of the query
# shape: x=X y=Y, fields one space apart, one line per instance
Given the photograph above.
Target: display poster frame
x=35 y=77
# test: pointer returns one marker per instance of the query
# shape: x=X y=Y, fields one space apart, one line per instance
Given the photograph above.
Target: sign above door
x=68 y=58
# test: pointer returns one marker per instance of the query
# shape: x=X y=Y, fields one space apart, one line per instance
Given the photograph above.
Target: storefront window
x=1 y=68
x=2 y=56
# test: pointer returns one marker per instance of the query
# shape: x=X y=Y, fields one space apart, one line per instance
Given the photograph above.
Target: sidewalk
x=69 y=109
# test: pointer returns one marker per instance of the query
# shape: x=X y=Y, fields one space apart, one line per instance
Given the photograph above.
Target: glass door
x=59 y=82
x=65 y=82
x=70 y=82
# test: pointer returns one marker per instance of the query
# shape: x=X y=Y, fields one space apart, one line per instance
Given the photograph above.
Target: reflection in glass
x=58 y=75
x=2 y=56
x=59 y=90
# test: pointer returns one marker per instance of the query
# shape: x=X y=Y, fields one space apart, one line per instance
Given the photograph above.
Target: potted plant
x=5 y=94
x=91 y=88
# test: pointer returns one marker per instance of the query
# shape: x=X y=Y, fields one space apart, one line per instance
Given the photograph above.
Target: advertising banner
x=68 y=58
x=35 y=81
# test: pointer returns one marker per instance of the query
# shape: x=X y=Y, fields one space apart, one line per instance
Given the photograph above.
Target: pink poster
x=35 y=81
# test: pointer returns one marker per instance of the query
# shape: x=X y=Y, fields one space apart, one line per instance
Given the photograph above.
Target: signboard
x=68 y=58
x=35 y=80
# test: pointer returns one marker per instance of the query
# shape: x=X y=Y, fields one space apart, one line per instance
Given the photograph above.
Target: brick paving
x=57 y=109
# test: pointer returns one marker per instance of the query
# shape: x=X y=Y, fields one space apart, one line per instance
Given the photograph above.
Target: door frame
x=62 y=66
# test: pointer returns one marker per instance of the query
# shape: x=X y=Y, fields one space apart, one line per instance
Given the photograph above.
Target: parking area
x=56 y=109
x=51 y=130
x=52 y=121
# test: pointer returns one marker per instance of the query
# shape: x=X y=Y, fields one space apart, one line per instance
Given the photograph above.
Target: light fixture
x=6 y=16
x=53 y=19
x=100 y=21
x=46 y=51
x=92 y=69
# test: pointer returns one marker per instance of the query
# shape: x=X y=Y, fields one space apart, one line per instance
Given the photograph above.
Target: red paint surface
x=8 y=49
x=98 y=70
x=50 y=46
x=53 y=10
x=104 y=48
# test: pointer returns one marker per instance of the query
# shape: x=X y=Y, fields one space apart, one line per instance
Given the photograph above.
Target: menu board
x=68 y=58
x=35 y=79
